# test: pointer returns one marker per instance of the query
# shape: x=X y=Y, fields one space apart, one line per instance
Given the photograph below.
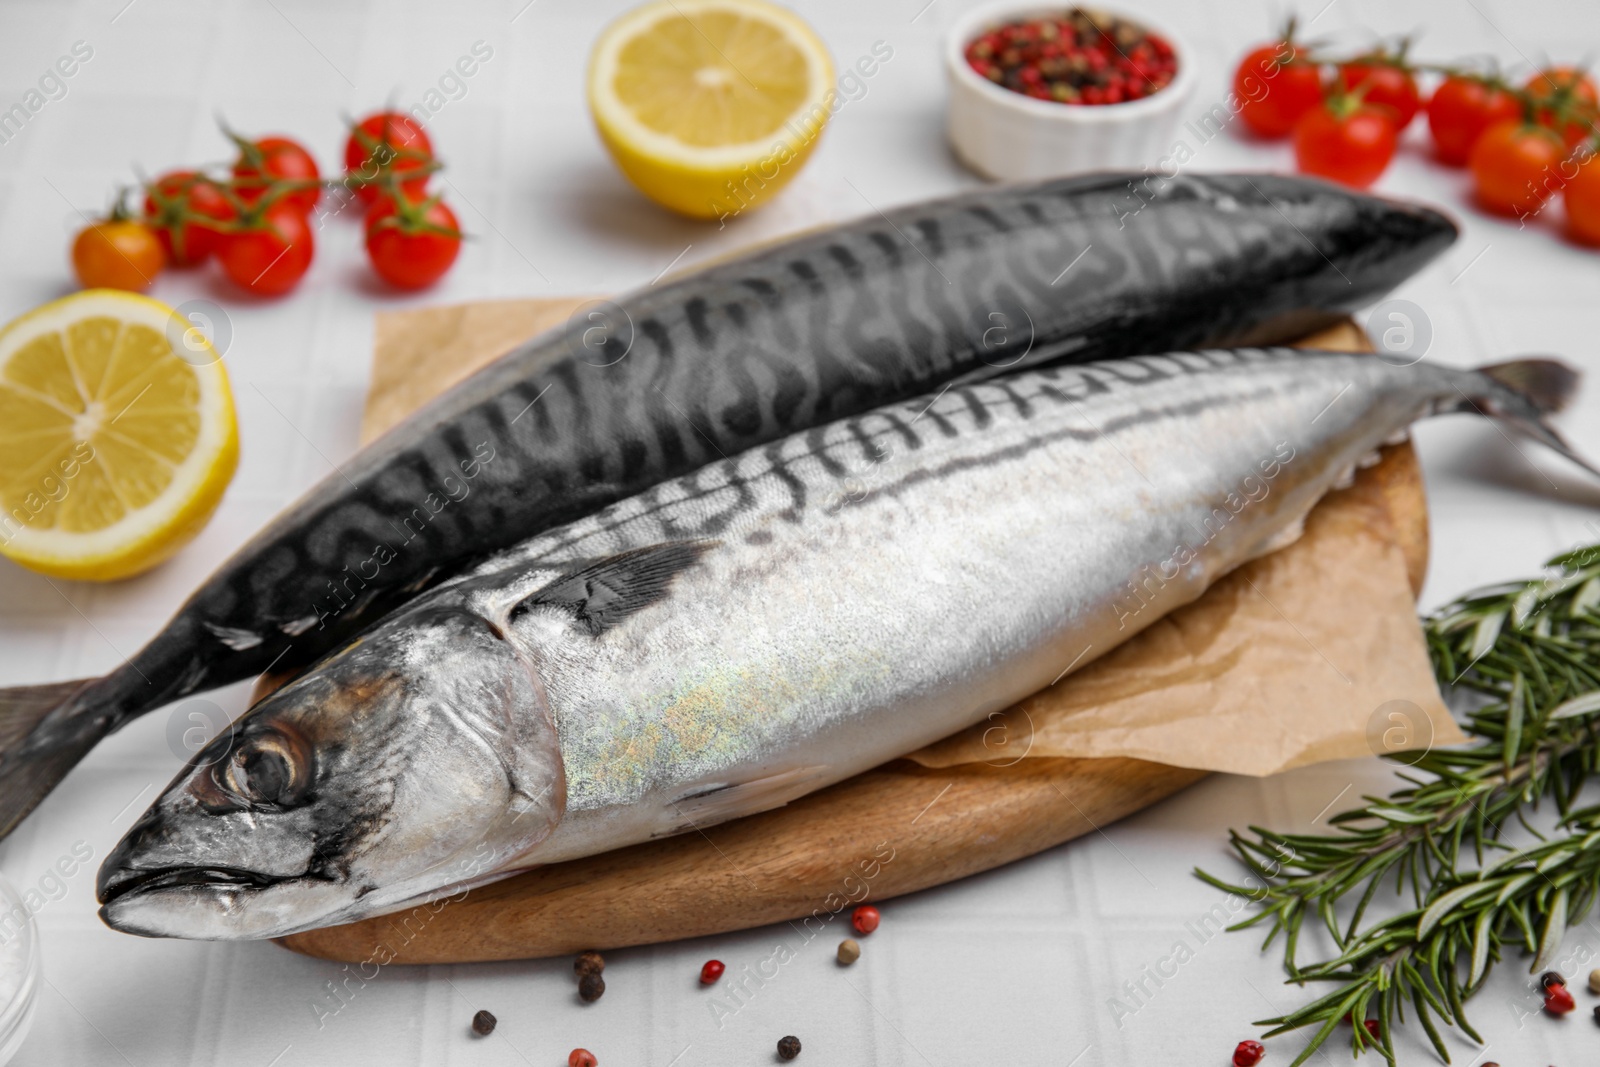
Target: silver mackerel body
x=775 y=622
x=881 y=583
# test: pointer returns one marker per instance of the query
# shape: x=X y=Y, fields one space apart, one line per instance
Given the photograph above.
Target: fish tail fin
x=38 y=746
x=1524 y=394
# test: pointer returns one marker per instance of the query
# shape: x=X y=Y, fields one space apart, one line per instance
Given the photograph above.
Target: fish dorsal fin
x=601 y=593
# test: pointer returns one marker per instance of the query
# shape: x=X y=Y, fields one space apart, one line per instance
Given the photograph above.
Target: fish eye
x=266 y=771
x=261 y=774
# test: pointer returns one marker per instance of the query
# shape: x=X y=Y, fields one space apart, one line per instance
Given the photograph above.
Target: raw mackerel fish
x=671 y=377
x=730 y=640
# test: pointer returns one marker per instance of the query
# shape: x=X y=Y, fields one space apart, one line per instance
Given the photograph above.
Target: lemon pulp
x=115 y=446
x=710 y=106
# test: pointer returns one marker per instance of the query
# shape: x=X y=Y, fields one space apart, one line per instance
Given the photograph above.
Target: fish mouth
x=128 y=880
x=217 y=903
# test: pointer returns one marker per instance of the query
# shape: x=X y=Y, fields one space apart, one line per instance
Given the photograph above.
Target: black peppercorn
x=590 y=962
x=590 y=986
x=788 y=1047
x=1550 y=978
x=483 y=1024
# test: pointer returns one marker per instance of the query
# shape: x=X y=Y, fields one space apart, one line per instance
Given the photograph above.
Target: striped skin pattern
x=855 y=591
x=740 y=354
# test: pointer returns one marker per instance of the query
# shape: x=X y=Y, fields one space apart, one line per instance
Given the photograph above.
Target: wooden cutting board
x=893 y=830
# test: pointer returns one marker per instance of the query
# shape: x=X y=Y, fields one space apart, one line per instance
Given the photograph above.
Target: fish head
x=421 y=757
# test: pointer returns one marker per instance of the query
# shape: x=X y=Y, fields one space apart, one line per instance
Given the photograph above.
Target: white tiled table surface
x=1017 y=966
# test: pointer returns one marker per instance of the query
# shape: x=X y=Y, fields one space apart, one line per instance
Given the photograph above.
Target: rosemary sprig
x=1530 y=652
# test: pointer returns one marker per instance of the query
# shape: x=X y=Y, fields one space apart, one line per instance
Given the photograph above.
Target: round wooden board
x=893 y=830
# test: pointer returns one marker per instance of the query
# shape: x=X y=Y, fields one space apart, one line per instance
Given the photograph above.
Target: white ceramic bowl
x=19 y=971
x=1008 y=136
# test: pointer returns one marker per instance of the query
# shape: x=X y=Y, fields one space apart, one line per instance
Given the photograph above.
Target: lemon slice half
x=710 y=106
x=117 y=435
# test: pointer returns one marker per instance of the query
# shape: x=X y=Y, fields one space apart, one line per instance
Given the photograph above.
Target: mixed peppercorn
x=1557 y=997
x=1082 y=57
x=587 y=968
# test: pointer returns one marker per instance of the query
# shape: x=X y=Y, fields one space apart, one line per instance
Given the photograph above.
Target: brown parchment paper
x=1312 y=653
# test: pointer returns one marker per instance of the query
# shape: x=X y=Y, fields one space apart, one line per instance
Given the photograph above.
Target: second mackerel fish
x=728 y=641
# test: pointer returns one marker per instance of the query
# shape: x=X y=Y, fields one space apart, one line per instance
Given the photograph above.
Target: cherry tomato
x=1582 y=198
x=277 y=159
x=1572 y=92
x=271 y=255
x=412 y=252
x=1275 y=85
x=117 y=254
x=1460 y=110
x=1515 y=167
x=1350 y=142
x=174 y=205
x=388 y=142
x=1386 y=85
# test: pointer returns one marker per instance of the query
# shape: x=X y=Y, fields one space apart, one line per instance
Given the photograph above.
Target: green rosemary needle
x=1530 y=652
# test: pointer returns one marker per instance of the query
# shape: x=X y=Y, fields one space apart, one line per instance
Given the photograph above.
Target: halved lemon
x=710 y=106
x=117 y=435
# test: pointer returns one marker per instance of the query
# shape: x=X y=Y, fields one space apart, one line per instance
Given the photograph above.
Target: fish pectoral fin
x=601 y=593
x=719 y=803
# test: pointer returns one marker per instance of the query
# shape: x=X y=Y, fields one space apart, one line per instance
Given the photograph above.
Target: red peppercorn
x=711 y=972
x=1248 y=1053
x=1557 y=1000
x=1372 y=1028
x=865 y=919
x=581 y=1057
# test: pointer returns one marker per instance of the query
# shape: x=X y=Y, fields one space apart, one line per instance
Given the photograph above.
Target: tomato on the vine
x=176 y=207
x=1567 y=102
x=269 y=254
x=1347 y=140
x=1515 y=167
x=1461 y=109
x=117 y=253
x=411 y=245
x=389 y=142
x=269 y=159
x=1274 y=85
x=1582 y=198
x=1384 y=83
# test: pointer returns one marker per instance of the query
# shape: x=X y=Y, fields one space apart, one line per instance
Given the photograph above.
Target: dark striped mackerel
x=666 y=379
x=727 y=641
